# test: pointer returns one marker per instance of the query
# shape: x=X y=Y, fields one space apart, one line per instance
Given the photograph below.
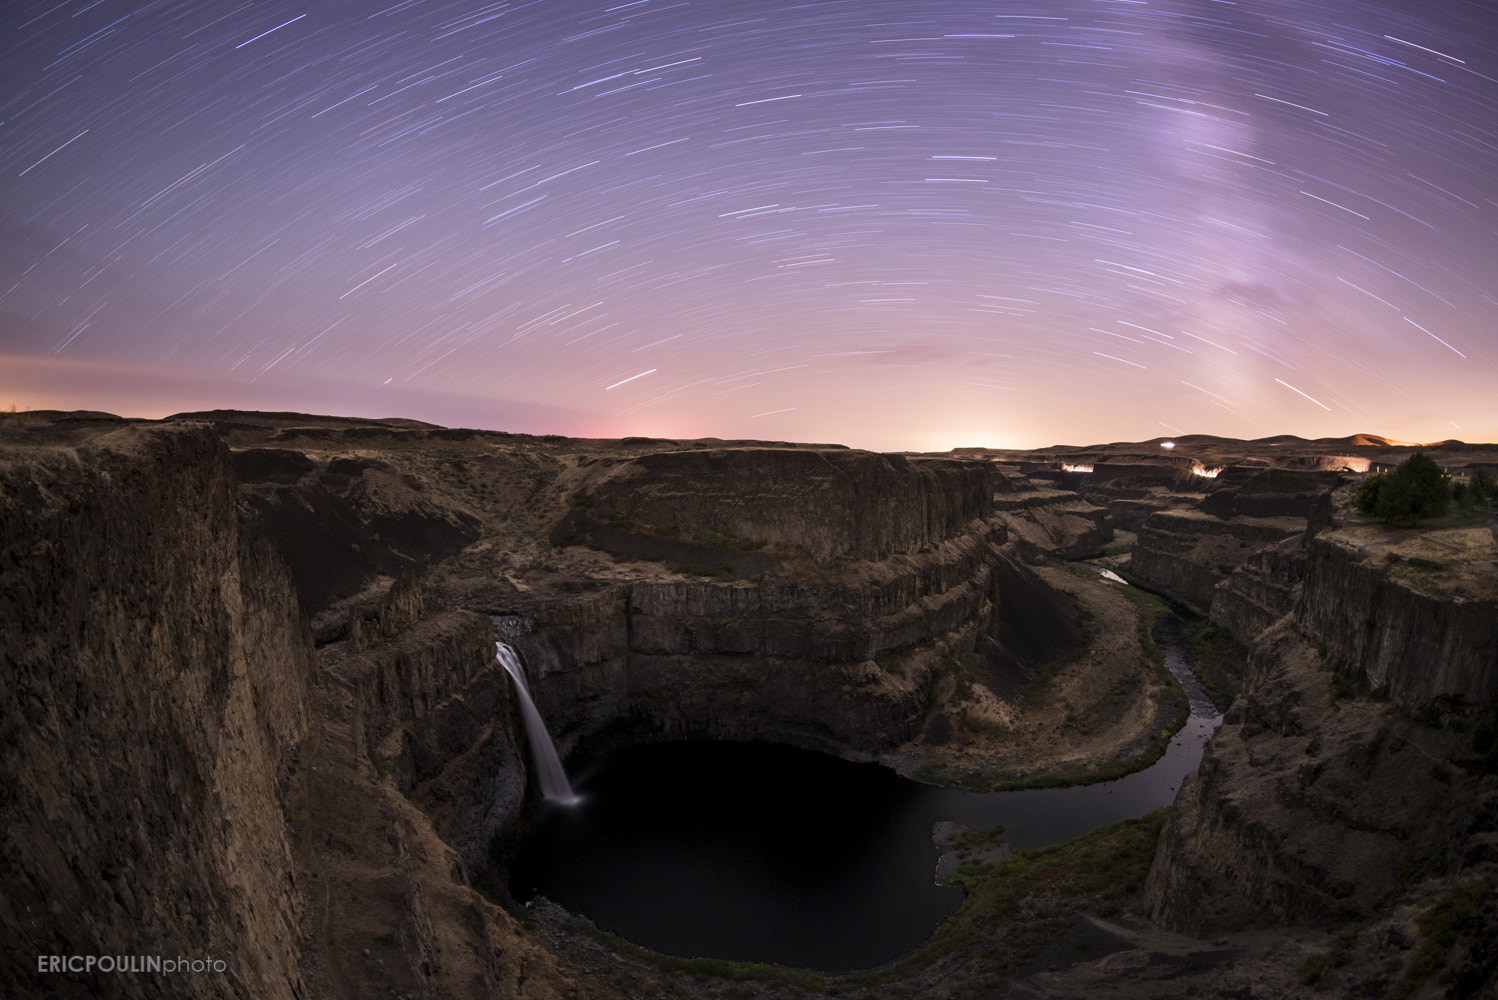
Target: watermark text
x=128 y=963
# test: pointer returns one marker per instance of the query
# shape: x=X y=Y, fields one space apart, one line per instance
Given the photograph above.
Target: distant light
x=1167 y=444
x=1075 y=468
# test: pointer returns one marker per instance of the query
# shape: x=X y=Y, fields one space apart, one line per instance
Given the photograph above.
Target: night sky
x=896 y=225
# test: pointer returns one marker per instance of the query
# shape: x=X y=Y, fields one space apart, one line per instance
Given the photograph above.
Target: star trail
x=911 y=225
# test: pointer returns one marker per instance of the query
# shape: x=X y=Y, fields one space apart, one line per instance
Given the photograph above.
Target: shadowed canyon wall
x=1344 y=774
x=156 y=675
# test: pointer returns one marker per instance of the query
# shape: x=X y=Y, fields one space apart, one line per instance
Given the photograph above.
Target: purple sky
x=891 y=224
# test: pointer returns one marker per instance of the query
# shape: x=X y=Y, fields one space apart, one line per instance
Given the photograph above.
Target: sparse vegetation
x=701 y=569
x=1480 y=491
x=701 y=968
x=1220 y=661
x=1014 y=906
x=1309 y=970
x=1452 y=922
x=1418 y=490
x=720 y=540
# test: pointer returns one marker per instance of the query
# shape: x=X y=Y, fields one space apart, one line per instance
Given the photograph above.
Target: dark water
x=743 y=850
x=767 y=853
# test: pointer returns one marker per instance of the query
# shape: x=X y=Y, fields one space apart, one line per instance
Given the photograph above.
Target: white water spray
x=549 y=771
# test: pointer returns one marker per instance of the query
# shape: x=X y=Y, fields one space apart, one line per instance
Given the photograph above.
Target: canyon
x=253 y=715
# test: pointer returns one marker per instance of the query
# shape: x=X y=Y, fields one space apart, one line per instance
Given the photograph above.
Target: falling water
x=549 y=772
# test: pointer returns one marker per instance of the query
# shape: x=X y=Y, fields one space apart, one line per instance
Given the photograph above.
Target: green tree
x=1365 y=500
x=1417 y=489
x=1480 y=489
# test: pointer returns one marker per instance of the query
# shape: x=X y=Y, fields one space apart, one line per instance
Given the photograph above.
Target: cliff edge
x=156 y=679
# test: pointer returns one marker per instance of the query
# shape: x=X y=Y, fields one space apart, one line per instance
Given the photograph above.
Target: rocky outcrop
x=1261 y=591
x=1140 y=475
x=389 y=835
x=1186 y=554
x=183 y=778
x=1414 y=615
x=835 y=661
x=1310 y=809
x=1051 y=523
x=827 y=503
x=156 y=679
x=339 y=524
x=1132 y=512
x=1248 y=492
x=1314 y=804
x=432 y=706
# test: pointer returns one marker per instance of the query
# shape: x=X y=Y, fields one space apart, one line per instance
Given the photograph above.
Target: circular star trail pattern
x=896 y=225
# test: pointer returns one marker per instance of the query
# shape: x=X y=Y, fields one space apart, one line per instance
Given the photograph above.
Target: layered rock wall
x=432 y=705
x=837 y=662
x=1261 y=591
x=1311 y=810
x=1313 y=805
x=1186 y=554
x=828 y=503
x=1053 y=523
x=155 y=680
x=1416 y=627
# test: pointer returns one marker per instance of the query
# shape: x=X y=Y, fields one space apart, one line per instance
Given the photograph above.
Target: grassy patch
x=721 y=540
x=968 y=841
x=1013 y=907
x=700 y=569
x=933 y=774
x=490 y=885
x=700 y=968
x=1220 y=660
x=1453 y=920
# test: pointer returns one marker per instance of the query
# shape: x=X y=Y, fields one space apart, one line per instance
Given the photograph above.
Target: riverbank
x=1107 y=710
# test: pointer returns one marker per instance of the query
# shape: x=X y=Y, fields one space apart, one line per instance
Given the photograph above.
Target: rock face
x=1262 y=590
x=834 y=661
x=1056 y=523
x=1314 y=805
x=1188 y=553
x=1414 y=615
x=1308 y=809
x=430 y=705
x=827 y=503
x=339 y=523
x=413 y=773
x=870 y=571
x=156 y=677
x=183 y=777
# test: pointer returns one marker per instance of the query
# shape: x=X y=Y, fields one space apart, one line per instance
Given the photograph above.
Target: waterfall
x=549 y=771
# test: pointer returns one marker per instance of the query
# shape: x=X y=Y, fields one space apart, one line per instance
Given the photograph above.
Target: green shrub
x=1416 y=490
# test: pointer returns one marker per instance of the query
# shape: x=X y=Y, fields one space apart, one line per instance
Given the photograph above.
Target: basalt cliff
x=253 y=716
